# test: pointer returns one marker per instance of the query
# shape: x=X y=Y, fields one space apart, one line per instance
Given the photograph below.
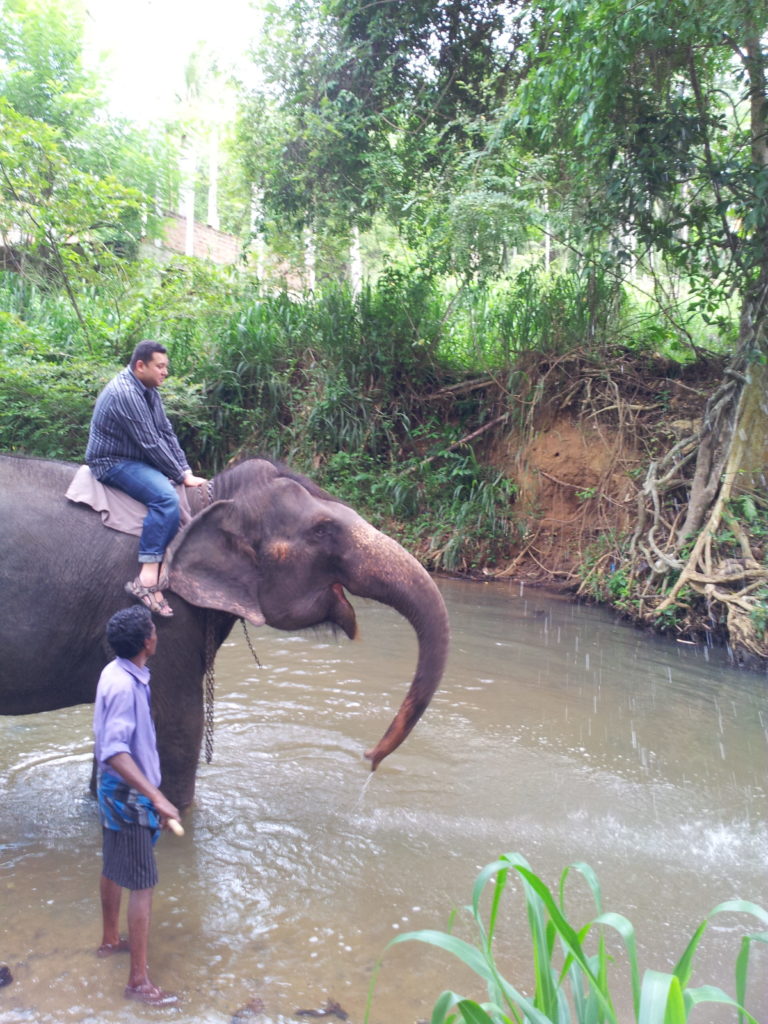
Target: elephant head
x=274 y=548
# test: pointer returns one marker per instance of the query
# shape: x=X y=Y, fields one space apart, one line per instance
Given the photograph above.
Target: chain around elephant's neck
x=210 y=679
x=210 y=682
x=206 y=494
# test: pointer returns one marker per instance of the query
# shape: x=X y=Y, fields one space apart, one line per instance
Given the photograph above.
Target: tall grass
x=534 y=311
x=363 y=392
x=571 y=964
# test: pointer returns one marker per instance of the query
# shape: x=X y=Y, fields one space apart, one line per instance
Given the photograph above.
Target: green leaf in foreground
x=571 y=982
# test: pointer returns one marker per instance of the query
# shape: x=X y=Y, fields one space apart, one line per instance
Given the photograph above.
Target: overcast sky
x=146 y=44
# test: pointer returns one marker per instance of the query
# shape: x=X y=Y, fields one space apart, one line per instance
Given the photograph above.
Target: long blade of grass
x=741 y=907
x=495 y=867
x=477 y=962
x=498 y=890
x=742 y=967
x=545 y=994
x=567 y=935
x=626 y=930
x=566 y=932
x=661 y=999
x=584 y=1002
x=589 y=1009
x=713 y=994
x=684 y=966
x=443 y=1005
x=464 y=951
x=591 y=879
x=473 y=1013
x=742 y=960
x=500 y=870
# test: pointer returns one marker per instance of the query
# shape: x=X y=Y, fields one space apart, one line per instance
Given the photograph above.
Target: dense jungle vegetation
x=561 y=212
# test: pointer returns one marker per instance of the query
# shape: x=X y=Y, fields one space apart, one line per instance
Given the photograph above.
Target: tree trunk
x=213 y=177
x=355 y=262
x=309 y=258
x=188 y=168
x=732 y=457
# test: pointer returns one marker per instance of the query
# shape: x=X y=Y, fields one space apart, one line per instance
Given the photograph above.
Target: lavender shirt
x=122 y=720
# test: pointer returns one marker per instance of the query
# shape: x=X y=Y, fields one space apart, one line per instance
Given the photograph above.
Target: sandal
x=108 y=948
x=147 y=597
x=151 y=995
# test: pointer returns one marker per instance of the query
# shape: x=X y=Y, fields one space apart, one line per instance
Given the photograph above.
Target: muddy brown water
x=557 y=733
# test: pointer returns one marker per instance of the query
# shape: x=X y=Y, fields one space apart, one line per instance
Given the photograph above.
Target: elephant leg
x=179 y=739
x=94 y=776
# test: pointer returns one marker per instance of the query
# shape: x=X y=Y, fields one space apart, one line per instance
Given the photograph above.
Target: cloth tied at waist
x=120 y=805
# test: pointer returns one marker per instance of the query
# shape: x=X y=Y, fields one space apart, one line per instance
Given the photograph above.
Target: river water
x=558 y=733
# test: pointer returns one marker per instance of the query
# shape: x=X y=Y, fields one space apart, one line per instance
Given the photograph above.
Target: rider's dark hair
x=145 y=350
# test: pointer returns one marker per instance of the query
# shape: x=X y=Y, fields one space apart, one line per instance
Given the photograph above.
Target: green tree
x=41 y=71
x=73 y=183
x=378 y=108
x=655 y=116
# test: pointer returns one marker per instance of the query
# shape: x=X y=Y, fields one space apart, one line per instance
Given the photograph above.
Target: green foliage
x=41 y=74
x=45 y=408
x=338 y=387
x=66 y=216
x=571 y=963
x=371 y=108
x=493 y=324
x=654 y=124
x=459 y=514
x=759 y=614
x=452 y=512
x=606 y=573
x=74 y=182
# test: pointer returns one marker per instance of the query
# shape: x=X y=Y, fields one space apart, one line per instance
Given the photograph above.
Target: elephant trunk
x=387 y=573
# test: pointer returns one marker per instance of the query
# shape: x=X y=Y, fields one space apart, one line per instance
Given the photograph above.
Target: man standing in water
x=133 y=810
x=132 y=446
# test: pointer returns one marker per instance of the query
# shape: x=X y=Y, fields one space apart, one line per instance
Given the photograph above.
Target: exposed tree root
x=736 y=583
x=684 y=560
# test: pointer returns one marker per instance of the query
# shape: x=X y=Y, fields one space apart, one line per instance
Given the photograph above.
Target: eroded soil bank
x=579 y=453
x=582 y=446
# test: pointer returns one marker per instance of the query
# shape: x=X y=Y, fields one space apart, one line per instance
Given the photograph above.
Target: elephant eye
x=321 y=529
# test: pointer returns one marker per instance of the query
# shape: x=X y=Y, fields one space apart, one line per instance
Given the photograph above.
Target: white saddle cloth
x=118 y=510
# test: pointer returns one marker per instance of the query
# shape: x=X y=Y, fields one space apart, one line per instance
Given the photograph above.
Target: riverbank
x=560 y=464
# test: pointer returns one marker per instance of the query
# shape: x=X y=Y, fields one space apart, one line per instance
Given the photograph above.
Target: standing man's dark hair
x=132 y=446
x=131 y=806
x=128 y=630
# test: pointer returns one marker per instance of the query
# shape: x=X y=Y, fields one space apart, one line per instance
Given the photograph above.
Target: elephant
x=264 y=544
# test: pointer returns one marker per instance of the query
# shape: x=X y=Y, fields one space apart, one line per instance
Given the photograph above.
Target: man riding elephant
x=132 y=446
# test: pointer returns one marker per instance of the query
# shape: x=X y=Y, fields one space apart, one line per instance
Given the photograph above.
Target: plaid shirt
x=129 y=424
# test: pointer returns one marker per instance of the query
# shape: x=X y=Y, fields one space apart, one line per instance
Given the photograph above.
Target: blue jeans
x=153 y=489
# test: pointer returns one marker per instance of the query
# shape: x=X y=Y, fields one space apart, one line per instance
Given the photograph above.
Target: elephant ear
x=210 y=565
